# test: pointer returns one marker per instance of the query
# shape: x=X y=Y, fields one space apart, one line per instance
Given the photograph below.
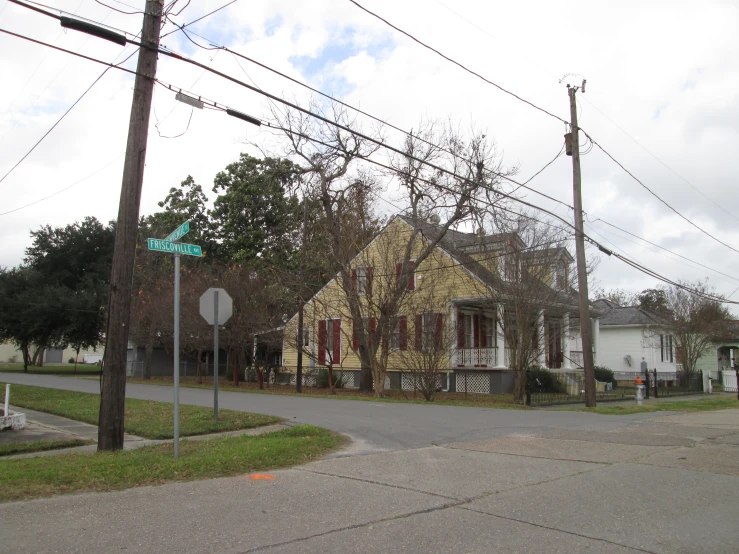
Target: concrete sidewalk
x=664 y=484
x=72 y=428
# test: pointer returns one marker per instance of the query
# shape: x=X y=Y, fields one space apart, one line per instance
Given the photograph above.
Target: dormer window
x=559 y=276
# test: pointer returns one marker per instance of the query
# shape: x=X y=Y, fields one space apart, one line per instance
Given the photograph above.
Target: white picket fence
x=729 y=378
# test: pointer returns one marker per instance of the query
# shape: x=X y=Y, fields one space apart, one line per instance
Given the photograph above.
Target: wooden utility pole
x=582 y=272
x=301 y=303
x=113 y=390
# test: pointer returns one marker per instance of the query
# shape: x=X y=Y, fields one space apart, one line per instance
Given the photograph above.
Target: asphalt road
x=429 y=479
x=373 y=426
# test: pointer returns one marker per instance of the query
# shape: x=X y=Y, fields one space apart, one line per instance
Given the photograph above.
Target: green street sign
x=180 y=232
x=175 y=247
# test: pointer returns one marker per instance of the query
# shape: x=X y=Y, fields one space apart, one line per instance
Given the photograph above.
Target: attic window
x=559 y=276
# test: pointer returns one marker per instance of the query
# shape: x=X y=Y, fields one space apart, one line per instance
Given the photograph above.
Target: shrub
x=13 y=359
x=339 y=378
x=71 y=360
x=542 y=380
x=604 y=375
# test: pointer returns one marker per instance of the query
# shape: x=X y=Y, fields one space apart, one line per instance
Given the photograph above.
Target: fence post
x=700 y=371
x=646 y=387
x=656 y=392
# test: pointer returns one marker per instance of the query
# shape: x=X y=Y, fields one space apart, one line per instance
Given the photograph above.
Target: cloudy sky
x=662 y=97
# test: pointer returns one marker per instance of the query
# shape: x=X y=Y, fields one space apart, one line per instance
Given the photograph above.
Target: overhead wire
x=361 y=135
x=635 y=178
x=455 y=62
x=548 y=113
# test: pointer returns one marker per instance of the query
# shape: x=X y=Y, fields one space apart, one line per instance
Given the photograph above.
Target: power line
x=718 y=205
x=657 y=196
x=540 y=109
x=386 y=22
x=117 y=10
x=180 y=27
x=665 y=249
x=64 y=189
x=358 y=110
x=369 y=139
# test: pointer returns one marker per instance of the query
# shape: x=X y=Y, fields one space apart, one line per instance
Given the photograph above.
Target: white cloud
x=665 y=72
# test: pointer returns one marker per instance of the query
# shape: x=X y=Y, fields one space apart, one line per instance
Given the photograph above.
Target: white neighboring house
x=8 y=352
x=628 y=333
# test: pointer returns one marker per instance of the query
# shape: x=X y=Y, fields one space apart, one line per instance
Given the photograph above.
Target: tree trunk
x=35 y=355
x=40 y=361
x=235 y=359
x=330 y=374
x=519 y=386
x=24 y=352
x=75 y=359
x=147 y=359
x=379 y=383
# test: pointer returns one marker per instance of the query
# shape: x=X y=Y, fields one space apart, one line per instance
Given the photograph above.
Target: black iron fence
x=569 y=388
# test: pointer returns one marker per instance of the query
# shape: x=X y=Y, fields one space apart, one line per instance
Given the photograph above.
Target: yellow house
x=456 y=299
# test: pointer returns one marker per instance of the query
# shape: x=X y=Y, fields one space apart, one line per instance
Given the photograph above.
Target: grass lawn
x=702 y=405
x=105 y=471
x=504 y=401
x=38 y=446
x=82 y=369
x=145 y=418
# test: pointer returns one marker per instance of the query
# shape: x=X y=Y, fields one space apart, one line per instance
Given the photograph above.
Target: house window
x=559 y=276
x=490 y=334
x=410 y=268
x=362 y=280
x=329 y=341
x=508 y=267
x=429 y=331
x=399 y=333
x=306 y=338
x=666 y=350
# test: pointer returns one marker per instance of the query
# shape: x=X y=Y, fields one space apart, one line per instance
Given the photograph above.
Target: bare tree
x=534 y=272
x=693 y=322
x=439 y=174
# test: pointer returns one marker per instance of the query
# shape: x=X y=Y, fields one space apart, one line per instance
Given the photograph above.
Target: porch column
x=500 y=351
x=541 y=358
x=596 y=340
x=566 y=340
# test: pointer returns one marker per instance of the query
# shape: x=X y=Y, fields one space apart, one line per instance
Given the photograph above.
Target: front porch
x=481 y=340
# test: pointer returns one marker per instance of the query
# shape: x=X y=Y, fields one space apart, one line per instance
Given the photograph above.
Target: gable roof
x=456 y=244
x=624 y=315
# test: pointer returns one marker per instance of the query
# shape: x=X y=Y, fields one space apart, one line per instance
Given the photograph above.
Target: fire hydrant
x=639 y=390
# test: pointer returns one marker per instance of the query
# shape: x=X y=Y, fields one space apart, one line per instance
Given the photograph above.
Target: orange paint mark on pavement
x=262 y=477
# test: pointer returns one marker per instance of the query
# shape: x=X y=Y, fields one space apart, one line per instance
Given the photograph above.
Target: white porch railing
x=475 y=357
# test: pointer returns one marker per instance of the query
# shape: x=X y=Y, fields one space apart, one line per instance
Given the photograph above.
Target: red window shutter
x=403 y=333
x=476 y=328
x=336 y=355
x=439 y=334
x=412 y=275
x=354 y=279
x=322 y=341
x=355 y=341
x=460 y=330
x=419 y=331
x=398 y=269
x=483 y=331
x=370 y=274
x=372 y=327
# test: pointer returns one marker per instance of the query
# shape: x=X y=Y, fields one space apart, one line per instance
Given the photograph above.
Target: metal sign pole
x=215 y=355
x=177 y=355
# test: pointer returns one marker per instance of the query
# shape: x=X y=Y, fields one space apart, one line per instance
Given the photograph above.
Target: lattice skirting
x=408 y=381
x=308 y=380
x=476 y=383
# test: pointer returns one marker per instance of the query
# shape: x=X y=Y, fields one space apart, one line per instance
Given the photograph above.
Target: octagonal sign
x=207 y=306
